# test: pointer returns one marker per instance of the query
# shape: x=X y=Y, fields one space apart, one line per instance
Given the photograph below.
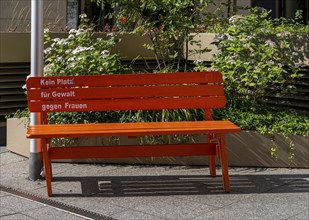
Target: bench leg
x=224 y=163
x=212 y=165
x=211 y=159
x=51 y=168
x=47 y=166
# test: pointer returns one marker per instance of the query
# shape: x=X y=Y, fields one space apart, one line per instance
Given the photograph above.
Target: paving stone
x=280 y=205
x=6 y=211
x=133 y=202
x=51 y=213
x=17 y=217
x=3 y=149
x=226 y=213
x=172 y=208
x=9 y=170
x=134 y=215
x=23 y=184
x=301 y=216
x=10 y=158
x=97 y=205
x=3 y=194
x=264 y=206
x=216 y=200
x=18 y=204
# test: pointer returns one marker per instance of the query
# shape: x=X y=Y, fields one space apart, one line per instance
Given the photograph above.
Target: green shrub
x=266 y=119
x=80 y=53
x=169 y=24
x=256 y=53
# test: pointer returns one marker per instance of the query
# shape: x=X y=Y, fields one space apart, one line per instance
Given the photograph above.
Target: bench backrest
x=126 y=92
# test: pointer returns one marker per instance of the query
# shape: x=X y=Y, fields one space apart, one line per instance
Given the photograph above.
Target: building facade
x=62 y=15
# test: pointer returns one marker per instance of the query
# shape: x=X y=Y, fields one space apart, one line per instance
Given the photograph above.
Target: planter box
x=247 y=148
x=16 y=140
x=299 y=43
x=15 y=47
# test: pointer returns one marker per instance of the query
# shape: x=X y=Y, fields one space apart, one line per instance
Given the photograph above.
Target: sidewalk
x=151 y=192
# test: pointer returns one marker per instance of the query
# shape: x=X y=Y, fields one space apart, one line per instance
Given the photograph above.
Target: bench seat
x=130 y=129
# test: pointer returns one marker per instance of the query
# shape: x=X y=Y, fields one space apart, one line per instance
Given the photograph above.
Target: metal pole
x=37 y=47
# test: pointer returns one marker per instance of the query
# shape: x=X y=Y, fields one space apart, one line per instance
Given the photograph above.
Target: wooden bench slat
x=130 y=129
x=124 y=79
x=125 y=104
x=126 y=92
x=132 y=151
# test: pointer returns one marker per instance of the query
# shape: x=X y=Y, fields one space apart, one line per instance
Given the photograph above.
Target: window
x=284 y=8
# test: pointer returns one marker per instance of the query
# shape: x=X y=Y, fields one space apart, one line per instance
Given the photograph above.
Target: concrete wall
x=15 y=15
x=246 y=148
x=15 y=47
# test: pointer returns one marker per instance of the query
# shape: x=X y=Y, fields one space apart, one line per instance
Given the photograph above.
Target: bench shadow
x=132 y=186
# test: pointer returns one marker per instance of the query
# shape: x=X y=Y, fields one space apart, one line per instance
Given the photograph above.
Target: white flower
x=81 y=49
x=47 y=68
x=59 y=59
x=265 y=30
x=247 y=45
x=47 y=50
x=231 y=59
x=231 y=38
x=46 y=30
x=197 y=61
x=271 y=62
x=82 y=16
x=68 y=51
x=71 y=65
x=110 y=34
x=79 y=31
x=295 y=54
x=220 y=37
x=72 y=31
x=297 y=64
x=270 y=43
x=62 y=41
x=71 y=59
x=24 y=86
x=286 y=34
x=105 y=53
x=250 y=37
x=291 y=87
x=234 y=18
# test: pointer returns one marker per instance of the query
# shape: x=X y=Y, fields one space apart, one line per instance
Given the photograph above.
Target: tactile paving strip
x=56 y=204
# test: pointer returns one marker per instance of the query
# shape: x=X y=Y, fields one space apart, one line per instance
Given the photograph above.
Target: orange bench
x=203 y=90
